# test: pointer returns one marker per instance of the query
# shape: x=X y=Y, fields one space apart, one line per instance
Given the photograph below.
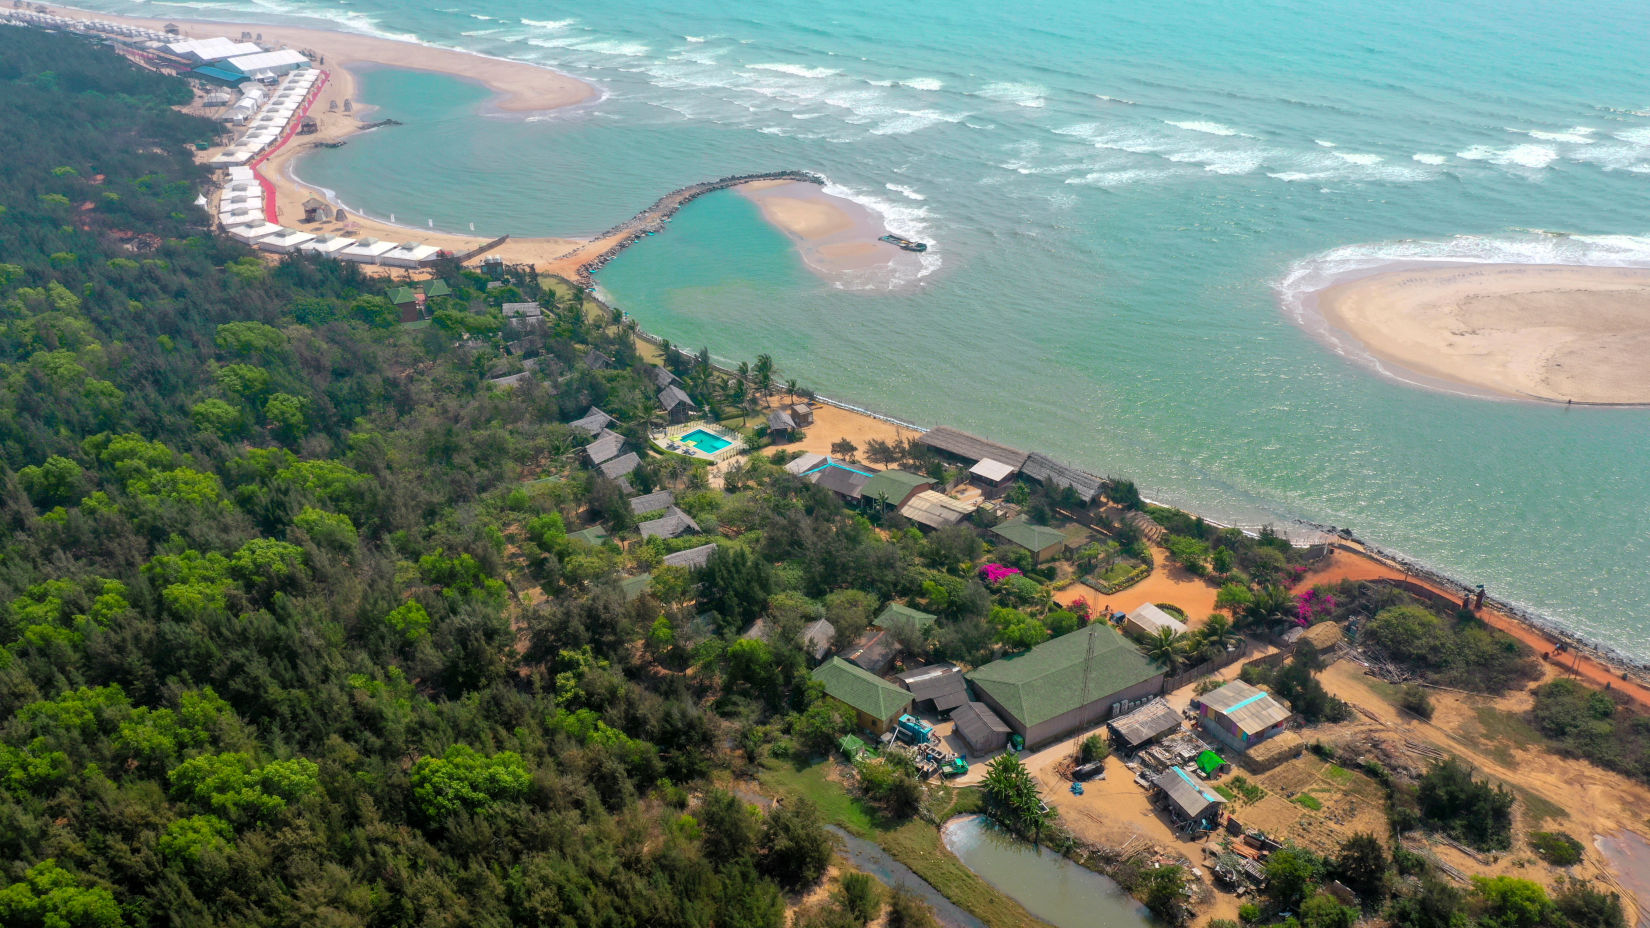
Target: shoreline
x=568 y=264
x=837 y=238
x=1552 y=334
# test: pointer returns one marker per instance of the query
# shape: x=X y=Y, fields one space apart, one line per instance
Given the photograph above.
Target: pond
x=866 y=856
x=1629 y=857
x=1050 y=887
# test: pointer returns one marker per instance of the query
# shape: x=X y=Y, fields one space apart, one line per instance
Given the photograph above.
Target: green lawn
x=914 y=843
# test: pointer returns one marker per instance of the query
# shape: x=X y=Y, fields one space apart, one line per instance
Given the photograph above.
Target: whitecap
x=907 y=192
x=1220 y=161
x=695 y=39
x=1203 y=125
x=796 y=70
x=1426 y=158
x=1122 y=178
x=1325 y=143
x=1352 y=157
x=923 y=83
x=544 y=23
x=1028 y=95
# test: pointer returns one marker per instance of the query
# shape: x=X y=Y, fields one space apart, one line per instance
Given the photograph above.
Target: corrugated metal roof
x=935 y=509
x=1050 y=679
x=1041 y=467
x=1189 y=798
x=1148 y=619
x=1145 y=724
x=934 y=681
x=1034 y=538
x=1251 y=709
x=992 y=470
x=978 y=725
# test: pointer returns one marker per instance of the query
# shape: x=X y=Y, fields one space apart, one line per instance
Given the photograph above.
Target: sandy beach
x=836 y=237
x=1552 y=333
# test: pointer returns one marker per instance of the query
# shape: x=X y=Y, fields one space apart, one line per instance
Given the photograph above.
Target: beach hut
x=780 y=425
x=657 y=501
x=673 y=523
x=592 y=422
x=607 y=445
x=935 y=510
x=678 y=406
x=316 y=210
x=991 y=474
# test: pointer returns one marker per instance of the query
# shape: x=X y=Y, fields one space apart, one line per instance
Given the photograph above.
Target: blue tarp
x=219 y=74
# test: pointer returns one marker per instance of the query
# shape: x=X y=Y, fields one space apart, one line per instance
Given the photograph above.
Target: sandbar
x=837 y=238
x=1553 y=333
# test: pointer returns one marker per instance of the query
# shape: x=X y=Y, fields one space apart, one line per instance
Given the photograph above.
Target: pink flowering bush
x=997 y=573
x=1312 y=606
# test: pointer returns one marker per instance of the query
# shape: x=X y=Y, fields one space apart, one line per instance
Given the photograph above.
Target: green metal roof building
x=895 y=616
x=1079 y=679
x=896 y=487
x=876 y=702
x=1043 y=542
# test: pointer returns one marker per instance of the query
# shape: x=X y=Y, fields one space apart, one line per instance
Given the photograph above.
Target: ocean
x=1125 y=201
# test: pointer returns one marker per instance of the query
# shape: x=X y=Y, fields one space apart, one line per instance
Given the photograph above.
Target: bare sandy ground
x=1553 y=333
x=836 y=237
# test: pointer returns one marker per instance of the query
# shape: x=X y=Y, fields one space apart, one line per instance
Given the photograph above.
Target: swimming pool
x=705 y=441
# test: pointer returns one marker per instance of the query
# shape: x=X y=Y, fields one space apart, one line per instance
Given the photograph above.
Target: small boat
x=904 y=243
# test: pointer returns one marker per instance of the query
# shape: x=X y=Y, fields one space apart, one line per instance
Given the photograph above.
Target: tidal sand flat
x=1554 y=333
x=837 y=237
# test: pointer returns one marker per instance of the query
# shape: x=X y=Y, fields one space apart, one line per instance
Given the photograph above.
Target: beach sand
x=836 y=237
x=1553 y=333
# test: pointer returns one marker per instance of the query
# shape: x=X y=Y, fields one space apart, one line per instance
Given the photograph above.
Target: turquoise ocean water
x=1124 y=200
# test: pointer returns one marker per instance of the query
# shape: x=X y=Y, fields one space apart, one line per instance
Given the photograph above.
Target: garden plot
x=1312 y=803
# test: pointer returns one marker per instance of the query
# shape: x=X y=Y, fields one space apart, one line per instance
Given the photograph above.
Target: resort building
x=1241 y=716
x=938 y=688
x=873 y=650
x=892 y=489
x=657 y=501
x=620 y=466
x=903 y=620
x=1145 y=725
x=980 y=727
x=1043 y=542
x=1189 y=805
x=605 y=448
x=936 y=510
x=673 y=523
x=816 y=639
x=678 y=406
x=692 y=558
x=844 y=480
x=991 y=474
x=874 y=702
x=592 y=422
x=1071 y=682
x=1147 y=620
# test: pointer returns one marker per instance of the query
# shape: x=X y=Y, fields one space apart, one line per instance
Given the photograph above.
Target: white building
x=286 y=241
x=216 y=48
x=265 y=65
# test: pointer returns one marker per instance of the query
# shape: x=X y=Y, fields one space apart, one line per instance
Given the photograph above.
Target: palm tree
x=1273 y=608
x=764 y=373
x=1216 y=636
x=1167 y=647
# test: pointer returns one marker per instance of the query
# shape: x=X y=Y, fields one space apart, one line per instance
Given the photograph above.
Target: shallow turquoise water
x=705 y=441
x=1117 y=195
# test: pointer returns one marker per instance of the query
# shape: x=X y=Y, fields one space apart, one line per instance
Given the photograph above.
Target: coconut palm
x=1167 y=647
x=1273 y=608
x=1216 y=636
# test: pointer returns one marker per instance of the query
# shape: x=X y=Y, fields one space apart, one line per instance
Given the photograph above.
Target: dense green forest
x=261 y=663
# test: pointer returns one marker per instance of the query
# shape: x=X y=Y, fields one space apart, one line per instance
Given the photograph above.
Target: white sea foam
x=1101 y=96
x=1426 y=158
x=1330 y=267
x=1019 y=94
x=1637 y=136
x=796 y=70
x=1363 y=158
x=1325 y=143
x=907 y=192
x=544 y=23
x=1578 y=135
x=1534 y=157
x=695 y=39
x=1203 y=125
x=924 y=83
x=1122 y=178
x=1220 y=161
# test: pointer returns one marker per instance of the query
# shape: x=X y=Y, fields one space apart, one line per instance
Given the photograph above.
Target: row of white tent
x=85 y=25
x=266 y=126
x=268 y=236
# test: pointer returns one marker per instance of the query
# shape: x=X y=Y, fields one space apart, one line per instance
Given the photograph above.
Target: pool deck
x=669 y=440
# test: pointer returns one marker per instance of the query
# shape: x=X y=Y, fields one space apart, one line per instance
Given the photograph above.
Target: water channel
x=1629 y=856
x=1062 y=893
x=866 y=856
